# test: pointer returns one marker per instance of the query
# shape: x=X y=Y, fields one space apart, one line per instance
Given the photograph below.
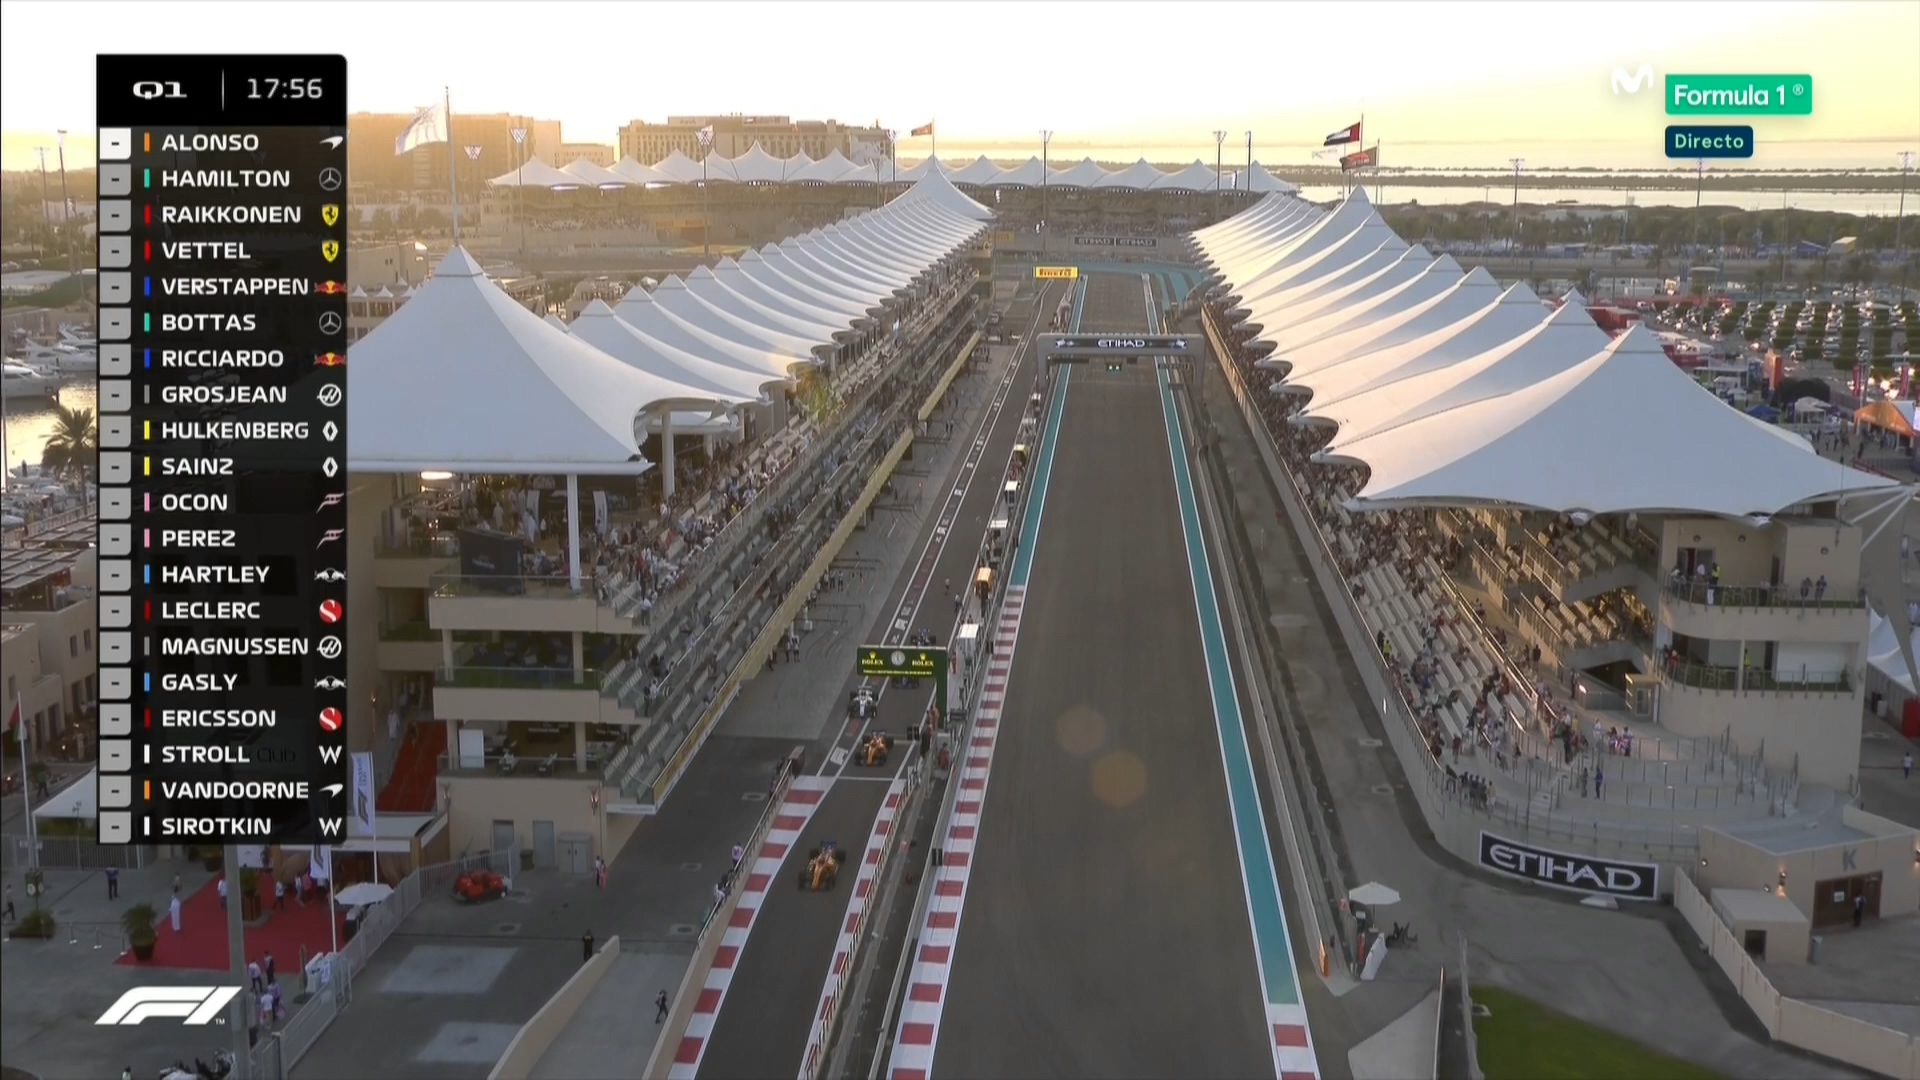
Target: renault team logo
x=330 y=214
x=330 y=250
x=1624 y=83
x=193 y=1006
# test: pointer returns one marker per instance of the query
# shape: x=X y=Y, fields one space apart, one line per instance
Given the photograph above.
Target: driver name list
x=223 y=451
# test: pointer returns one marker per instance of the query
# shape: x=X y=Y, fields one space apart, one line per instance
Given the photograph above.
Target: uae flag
x=1365 y=159
x=1344 y=136
x=923 y=130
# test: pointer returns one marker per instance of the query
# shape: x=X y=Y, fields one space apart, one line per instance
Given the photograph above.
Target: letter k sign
x=1624 y=83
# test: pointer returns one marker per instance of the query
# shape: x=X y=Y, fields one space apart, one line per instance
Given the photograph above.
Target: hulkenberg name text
x=233 y=429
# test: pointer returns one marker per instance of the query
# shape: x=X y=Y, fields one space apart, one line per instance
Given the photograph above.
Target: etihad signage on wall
x=1578 y=873
x=1116 y=241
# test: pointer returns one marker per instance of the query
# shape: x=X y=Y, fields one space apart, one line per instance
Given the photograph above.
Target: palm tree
x=74 y=443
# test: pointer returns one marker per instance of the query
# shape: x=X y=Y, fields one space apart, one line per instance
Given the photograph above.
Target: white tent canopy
x=919 y=170
x=680 y=167
x=1508 y=339
x=598 y=326
x=1029 y=173
x=635 y=173
x=756 y=166
x=979 y=171
x=1261 y=182
x=1085 y=174
x=593 y=175
x=653 y=322
x=464 y=378
x=537 y=174
x=1139 y=176
x=1198 y=176
x=1557 y=445
x=76 y=802
x=827 y=170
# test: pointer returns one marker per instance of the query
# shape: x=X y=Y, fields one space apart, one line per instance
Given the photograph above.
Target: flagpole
x=453 y=185
x=26 y=783
x=933 y=137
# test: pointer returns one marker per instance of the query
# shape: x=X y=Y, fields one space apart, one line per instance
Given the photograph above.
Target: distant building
x=374 y=167
x=48 y=659
x=781 y=136
x=592 y=153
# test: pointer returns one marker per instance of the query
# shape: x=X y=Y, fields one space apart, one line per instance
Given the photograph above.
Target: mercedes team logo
x=330 y=322
x=330 y=179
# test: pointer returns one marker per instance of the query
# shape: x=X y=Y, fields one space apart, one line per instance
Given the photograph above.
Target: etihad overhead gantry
x=1080 y=348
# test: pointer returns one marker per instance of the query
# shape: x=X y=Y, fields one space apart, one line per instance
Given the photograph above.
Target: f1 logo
x=193 y=1005
x=1624 y=83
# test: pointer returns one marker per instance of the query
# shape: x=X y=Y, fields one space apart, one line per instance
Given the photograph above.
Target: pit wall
x=537 y=1035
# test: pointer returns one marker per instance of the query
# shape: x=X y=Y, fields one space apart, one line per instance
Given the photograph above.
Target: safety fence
x=866 y=898
x=73 y=853
x=1797 y=1023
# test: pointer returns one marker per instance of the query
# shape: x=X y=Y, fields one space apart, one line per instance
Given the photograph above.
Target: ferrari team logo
x=330 y=250
x=330 y=214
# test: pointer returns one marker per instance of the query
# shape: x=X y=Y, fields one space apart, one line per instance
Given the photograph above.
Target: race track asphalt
x=1105 y=931
x=765 y=1018
x=768 y=1012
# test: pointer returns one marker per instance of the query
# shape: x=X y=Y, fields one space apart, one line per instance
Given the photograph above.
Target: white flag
x=705 y=135
x=321 y=864
x=429 y=126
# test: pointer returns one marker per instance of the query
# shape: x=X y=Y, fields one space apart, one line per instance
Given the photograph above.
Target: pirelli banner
x=1055 y=273
x=1120 y=243
x=1574 y=873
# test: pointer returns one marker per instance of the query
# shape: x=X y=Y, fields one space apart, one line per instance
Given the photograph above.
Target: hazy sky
x=1109 y=76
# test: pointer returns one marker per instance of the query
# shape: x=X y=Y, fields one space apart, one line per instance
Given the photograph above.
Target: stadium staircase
x=411 y=788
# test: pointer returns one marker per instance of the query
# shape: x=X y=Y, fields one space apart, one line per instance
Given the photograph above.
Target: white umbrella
x=367 y=892
x=1374 y=894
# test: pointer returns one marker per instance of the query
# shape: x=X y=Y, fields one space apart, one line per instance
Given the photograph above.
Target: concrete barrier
x=537 y=1035
x=1797 y=1023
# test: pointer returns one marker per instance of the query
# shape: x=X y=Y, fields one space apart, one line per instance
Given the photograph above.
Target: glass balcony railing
x=1766 y=596
x=519 y=678
x=1759 y=680
x=483 y=586
x=439 y=546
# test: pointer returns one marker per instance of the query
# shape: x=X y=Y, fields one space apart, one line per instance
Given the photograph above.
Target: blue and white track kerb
x=1292 y=1041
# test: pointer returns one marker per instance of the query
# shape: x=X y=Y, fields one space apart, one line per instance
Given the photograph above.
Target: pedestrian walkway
x=614 y=1033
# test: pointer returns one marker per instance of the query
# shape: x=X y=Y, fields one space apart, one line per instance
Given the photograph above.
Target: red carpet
x=202 y=940
x=411 y=788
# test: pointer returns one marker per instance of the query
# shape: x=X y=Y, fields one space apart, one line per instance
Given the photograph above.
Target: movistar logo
x=1624 y=83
